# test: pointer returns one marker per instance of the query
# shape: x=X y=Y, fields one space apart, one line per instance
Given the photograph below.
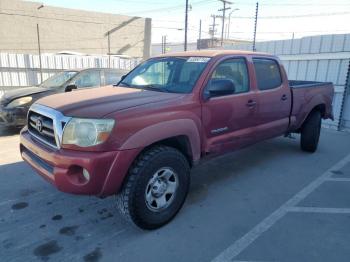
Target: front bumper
x=64 y=168
x=13 y=117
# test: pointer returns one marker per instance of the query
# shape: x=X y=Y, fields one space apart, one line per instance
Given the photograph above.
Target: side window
x=268 y=75
x=235 y=70
x=88 y=79
x=111 y=77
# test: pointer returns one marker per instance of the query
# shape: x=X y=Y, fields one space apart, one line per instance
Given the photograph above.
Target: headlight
x=20 y=102
x=87 y=132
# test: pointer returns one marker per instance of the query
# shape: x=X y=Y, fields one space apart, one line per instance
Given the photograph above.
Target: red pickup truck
x=139 y=139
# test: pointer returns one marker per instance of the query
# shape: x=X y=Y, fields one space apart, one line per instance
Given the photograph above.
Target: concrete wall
x=317 y=58
x=73 y=30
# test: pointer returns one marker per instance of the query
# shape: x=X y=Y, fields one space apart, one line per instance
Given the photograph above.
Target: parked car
x=14 y=103
x=139 y=140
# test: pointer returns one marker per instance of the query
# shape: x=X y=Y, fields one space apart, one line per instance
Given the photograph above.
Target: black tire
x=310 y=132
x=131 y=201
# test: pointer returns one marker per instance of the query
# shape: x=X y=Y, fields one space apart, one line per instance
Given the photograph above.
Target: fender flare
x=164 y=130
x=315 y=101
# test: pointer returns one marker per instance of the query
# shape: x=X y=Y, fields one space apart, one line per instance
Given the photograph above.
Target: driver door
x=229 y=120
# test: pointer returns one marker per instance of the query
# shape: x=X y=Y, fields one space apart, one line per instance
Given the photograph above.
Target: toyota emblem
x=39 y=125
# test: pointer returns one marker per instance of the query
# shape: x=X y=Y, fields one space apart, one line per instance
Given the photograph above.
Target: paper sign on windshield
x=196 y=59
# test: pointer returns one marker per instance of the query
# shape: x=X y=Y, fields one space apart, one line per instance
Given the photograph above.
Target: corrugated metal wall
x=23 y=69
x=317 y=58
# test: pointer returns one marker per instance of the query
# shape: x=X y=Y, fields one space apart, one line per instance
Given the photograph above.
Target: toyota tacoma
x=139 y=139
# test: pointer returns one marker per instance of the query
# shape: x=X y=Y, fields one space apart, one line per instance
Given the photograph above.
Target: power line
x=66 y=20
x=165 y=8
x=298 y=32
x=293 y=16
x=235 y=17
x=87 y=16
x=288 y=4
x=120 y=14
x=79 y=21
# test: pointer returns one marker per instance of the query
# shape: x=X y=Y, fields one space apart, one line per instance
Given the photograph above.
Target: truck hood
x=9 y=94
x=98 y=102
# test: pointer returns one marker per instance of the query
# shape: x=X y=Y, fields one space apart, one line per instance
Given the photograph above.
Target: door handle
x=251 y=103
x=284 y=97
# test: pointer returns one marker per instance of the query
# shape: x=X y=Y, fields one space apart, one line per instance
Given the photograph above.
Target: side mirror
x=220 y=87
x=70 y=88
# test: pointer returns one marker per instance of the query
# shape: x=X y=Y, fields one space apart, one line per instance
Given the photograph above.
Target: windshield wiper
x=144 y=87
x=123 y=83
x=154 y=88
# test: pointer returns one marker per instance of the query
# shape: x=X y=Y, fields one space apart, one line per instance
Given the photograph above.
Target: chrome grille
x=45 y=130
x=46 y=124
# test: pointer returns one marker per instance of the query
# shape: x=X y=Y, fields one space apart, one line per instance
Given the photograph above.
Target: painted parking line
x=252 y=261
x=338 y=179
x=326 y=210
x=241 y=244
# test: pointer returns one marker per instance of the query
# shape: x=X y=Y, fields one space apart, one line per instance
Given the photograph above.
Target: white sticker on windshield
x=196 y=59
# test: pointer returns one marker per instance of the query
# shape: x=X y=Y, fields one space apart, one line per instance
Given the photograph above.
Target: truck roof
x=212 y=53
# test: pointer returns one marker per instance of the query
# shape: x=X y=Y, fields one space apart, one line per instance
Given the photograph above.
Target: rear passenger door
x=274 y=99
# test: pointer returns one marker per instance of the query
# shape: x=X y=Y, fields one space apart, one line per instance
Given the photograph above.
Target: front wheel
x=156 y=187
x=310 y=132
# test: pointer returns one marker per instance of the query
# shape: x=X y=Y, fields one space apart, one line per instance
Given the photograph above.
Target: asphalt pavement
x=268 y=202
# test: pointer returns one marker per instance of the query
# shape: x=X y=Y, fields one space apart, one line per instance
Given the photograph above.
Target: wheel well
x=181 y=143
x=321 y=108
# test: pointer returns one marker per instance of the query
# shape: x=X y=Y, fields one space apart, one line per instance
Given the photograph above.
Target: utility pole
x=223 y=18
x=186 y=21
x=200 y=35
x=109 y=50
x=228 y=26
x=39 y=48
x=39 y=51
x=255 y=25
x=164 y=44
x=213 y=30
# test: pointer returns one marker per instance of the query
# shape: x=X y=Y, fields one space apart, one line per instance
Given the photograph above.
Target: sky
x=277 y=19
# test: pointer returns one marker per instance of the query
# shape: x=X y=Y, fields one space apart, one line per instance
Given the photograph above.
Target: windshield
x=170 y=74
x=58 y=79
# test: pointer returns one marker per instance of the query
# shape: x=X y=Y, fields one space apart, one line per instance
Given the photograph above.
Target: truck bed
x=307 y=94
x=306 y=84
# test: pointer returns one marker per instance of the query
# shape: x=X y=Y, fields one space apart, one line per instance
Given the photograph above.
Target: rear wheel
x=310 y=132
x=156 y=187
